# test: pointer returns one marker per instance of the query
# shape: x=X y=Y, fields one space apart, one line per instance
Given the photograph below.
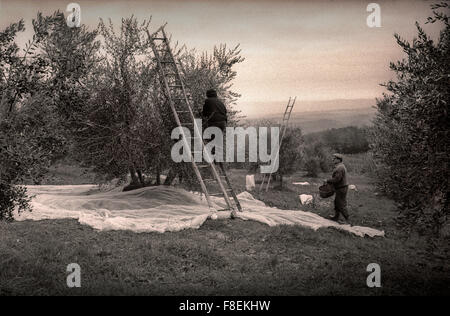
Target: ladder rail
x=283 y=121
x=191 y=115
x=276 y=159
x=233 y=194
x=196 y=127
x=157 y=31
x=284 y=127
x=177 y=120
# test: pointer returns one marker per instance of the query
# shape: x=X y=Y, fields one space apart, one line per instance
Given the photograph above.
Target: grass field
x=227 y=257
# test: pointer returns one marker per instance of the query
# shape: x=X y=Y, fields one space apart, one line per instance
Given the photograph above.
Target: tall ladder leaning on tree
x=284 y=125
x=180 y=103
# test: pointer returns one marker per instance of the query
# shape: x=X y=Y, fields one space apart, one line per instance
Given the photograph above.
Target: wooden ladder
x=180 y=103
x=284 y=125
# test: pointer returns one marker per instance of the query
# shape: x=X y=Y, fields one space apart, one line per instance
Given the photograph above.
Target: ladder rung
x=219 y=176
x=214 y=179
x=226 y=190
x=220 y=193
x=180 y=102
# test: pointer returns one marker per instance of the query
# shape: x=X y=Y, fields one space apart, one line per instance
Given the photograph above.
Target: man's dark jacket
x=339 y=181
x=214 y=111
x=339 y=178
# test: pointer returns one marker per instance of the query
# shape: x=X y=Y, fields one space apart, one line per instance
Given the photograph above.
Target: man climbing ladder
x=180 y=103
x=214 y=111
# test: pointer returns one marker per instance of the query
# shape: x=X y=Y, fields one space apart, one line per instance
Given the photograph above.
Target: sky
x=315 y=50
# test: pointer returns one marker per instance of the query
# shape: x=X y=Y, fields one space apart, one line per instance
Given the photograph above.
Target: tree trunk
x=141 y=177
x=134 y=178
x=158 y=175
x=170 y=177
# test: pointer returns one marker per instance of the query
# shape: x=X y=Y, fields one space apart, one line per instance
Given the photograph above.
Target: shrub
x=312 y=166
x=291 y=152
x=12 y=197
x=317 y=158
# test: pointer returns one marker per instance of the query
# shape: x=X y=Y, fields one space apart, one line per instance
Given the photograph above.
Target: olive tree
x=411 y=129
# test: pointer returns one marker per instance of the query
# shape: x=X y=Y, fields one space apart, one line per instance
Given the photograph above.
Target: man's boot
x=344 y=221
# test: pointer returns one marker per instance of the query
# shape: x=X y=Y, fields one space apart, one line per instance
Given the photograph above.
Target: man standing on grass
x=339 y=182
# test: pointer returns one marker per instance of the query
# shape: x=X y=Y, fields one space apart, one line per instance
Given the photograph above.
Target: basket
x=326 y=190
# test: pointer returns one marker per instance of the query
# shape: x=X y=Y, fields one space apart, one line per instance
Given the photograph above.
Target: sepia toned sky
x=315 y=50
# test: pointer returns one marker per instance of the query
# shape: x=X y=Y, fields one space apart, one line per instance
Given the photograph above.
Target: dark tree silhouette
x=411 y=133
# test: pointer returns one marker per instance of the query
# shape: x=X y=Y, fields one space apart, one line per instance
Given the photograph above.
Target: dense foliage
x=411 y=134
x=291 y=152
x=317 y=158
x=96 y=96
x=29 y=138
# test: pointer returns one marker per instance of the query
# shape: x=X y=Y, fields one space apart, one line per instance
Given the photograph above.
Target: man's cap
x=338 y=156
x=211 y=93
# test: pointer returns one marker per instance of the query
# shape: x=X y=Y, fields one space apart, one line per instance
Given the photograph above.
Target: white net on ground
x=159 y=209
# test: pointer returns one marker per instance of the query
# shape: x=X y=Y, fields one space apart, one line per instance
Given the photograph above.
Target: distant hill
x=328 y=115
